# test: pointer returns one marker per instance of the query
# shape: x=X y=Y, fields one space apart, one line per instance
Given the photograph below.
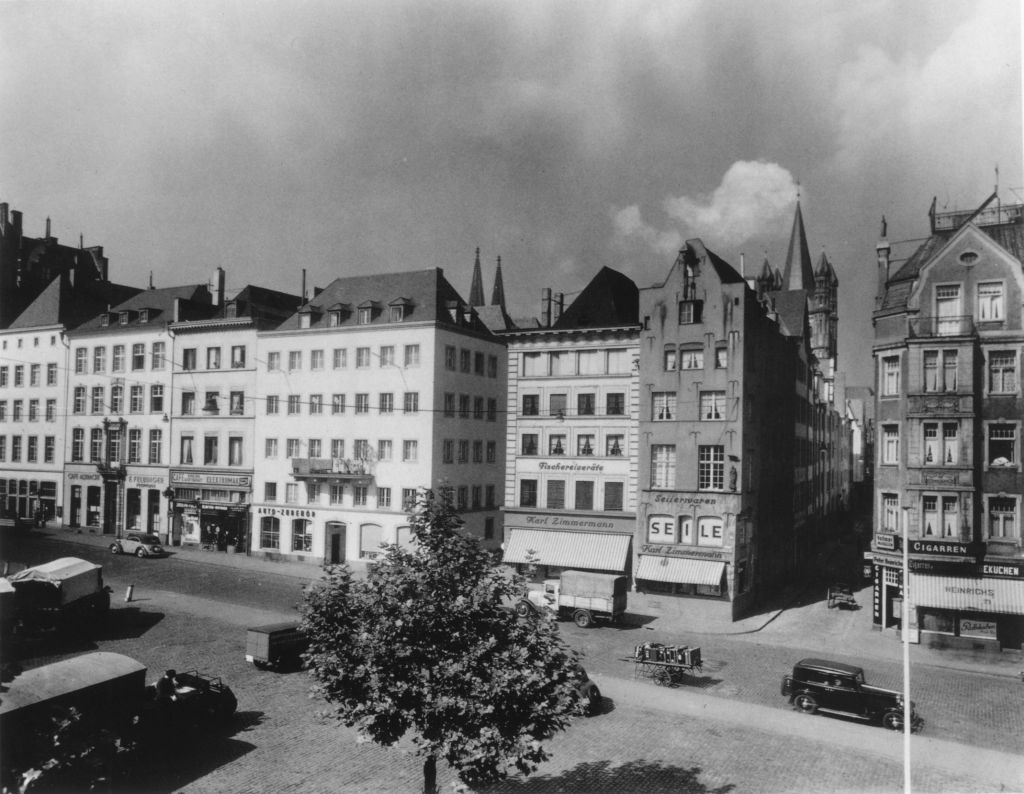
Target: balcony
x=332 y=469
x=929 y=327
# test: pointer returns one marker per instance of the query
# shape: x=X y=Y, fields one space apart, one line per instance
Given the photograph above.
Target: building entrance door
x=337 y=533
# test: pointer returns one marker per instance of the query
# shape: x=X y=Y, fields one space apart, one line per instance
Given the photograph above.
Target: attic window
x=334 y=318
x=365 y=313
x=968 y=258
x=690 y=312
x=122 y=318
x=104 y=320
x=231 y=310
x=305 y=316
x=398 y=313
x=144 y=315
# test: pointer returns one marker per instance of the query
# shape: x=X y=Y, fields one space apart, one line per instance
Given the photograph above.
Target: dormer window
x=304 y=318
x=144 y=315
x=231 y=310
x=364 y=316
x=122 y=318
x=398 y=309
x=334 y=318
x=104 y=320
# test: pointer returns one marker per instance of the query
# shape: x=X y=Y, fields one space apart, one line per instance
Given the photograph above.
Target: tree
x=423 y=647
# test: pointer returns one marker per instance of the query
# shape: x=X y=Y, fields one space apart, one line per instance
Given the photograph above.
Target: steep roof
x=62 y=304
x=159 y=302
x=476 y=288
x=799 y=274
x=791 y=306
x=611 y=299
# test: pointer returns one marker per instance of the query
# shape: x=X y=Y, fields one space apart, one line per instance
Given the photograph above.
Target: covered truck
x=584 y=596
x=276 y=645
x=64 y=590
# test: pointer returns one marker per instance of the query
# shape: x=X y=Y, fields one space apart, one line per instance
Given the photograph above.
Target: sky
x=347 y=138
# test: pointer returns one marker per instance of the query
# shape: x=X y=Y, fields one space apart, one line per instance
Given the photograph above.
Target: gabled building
x=948 y=344
x=571 y=484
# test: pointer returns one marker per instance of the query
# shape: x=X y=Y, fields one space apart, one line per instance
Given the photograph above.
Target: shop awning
x=968 y=595
x=601 y=551
x=680 y=570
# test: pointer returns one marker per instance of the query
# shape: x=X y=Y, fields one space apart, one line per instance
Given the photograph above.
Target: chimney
x=218 y=286
x=3 y=216
x=176 y=313
x=743 y=265
x=47 y=227
x=545 y=307
x=556 y=308
x=303 y=293
x=882 y=252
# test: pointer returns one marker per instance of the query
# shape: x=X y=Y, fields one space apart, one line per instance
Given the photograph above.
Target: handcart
x=841 y=595
x=666 y=665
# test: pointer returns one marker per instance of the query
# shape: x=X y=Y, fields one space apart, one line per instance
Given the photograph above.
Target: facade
x=378 y=387
x=948 y=344
x=716 y=428
x=570 y=490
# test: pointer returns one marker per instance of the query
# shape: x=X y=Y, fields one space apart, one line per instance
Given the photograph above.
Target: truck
x=584 y=596
x=113 y=704
x=276 y=645
x=67 y=591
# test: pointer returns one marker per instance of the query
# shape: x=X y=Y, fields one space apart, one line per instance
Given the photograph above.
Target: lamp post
x=907 y=709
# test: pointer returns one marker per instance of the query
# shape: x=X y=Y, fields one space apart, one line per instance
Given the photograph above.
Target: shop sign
x=681 y=551
x=947 y=567
x=546 y=465
x=945 y=548
x=81 y=476
x=146 y=479
x=1006 y=570
x=198 y=478
x=885 y=541
x=983 y=629
x=686 y=499
x=573 y=522
x=230 y=507
x=286 y=511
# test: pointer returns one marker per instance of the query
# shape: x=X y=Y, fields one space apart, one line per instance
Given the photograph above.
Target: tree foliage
x=423 y=648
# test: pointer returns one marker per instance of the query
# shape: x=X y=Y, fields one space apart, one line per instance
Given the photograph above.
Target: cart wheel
x=583 y=619
x=662 y=677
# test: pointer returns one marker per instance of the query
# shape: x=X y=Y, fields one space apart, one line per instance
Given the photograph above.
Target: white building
x=377 y=387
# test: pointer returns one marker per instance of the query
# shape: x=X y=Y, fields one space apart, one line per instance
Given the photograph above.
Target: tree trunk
x=430 y=775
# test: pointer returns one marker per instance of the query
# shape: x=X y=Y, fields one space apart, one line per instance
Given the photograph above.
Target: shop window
x=937 y=621
x=1002 y=444
x=270 y=532
x=710 y=531
x=302 y=535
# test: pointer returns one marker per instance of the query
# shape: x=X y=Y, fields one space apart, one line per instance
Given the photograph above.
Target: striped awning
x=602 y=551
x=680 y=570
x=968 y=595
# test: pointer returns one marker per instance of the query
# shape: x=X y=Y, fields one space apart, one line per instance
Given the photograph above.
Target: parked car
x=140 y=544
x=840 y=688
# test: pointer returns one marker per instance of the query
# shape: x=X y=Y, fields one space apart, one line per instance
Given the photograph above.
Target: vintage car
x=840 y=688
x=140 y=544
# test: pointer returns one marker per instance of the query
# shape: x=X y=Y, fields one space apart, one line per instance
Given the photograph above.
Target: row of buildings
x=693 y=435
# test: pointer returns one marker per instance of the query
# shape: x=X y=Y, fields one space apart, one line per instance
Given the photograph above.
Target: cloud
x=753 y=200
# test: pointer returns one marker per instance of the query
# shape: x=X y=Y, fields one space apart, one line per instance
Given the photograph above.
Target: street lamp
x=907 y=709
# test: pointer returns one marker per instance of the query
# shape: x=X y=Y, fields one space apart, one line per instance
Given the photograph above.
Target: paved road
x=729 y=733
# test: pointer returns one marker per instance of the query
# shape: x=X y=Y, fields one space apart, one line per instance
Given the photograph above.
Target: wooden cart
x=666 y=665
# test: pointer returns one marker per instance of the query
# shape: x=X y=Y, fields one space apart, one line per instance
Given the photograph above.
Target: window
x=273 y=404
x=492 y=366
x=293 y=403
x=555 y=495
x=613 y=492
x=291 y=493
x=312 y=493
x=236 y=403
x=397 y=313
x=463 y=454
x=585 y=404
x=77 y=444
x=32 y=450
x=294 y=360
x=33 y=410
x=359 y=495
x=531 y=404
x=711 y=467
x=478 y=407
x=464 y=406
x=340 y=358
x=585 y=495
x=408 y=499
x=99 y=363
x=556 y=405
x=78 y=404
x=188 y=403
x=337 y=447
x=890 y=512
x=387 y=356
x=51 y=411
x=1002 y=517
x=210 y=451
x=384 y=449
x=33 y=377
x=156 y=398
x=614 y=444
x=533 y=365
x=337 y=494
x=939 y=515
x=556 y=444
x=292 y=448
x=362 y=403
x=384 y=494
x=235 y=451
x=410 y=451
x=948 y=309
x=188 y=358
x=411 y=402
x=890 y=376
x=712 y=405
x=386 y=403
x=3 y=449
x=890 y=445
x=1002 y=444
x=448 y=451
x=370 y=538
x=528 y=445
x=273 y=361
x=3 y=410
x=465 y=361
x=940 y=370
x=270 y=527
x=477 y=497
x=721 y=357
x=95 y=403
x=478 y=363
x=362 y=357
x=449 y=357
x=663 y=465
x=19 y=375
x=1002 y=372
x=81 y=363
x=50 y=449
x=186 y=456
x=689 y=312
x=363 y=315
x=527 y=493
x=135 y=445
x=491 y=451
x=412 y=356
x=270 y=448
x=670 y=359
x=51 y=374
x=663 y=405
x=138 y=356
x=16 y=406
x=691 y=359
x=990 y=302
x=478 y=451
x=302 y=534
x=316 y=359
x=238 y=357
x=136 y=400
x=15 y=448
x=211 y=405
x=213 y=358
x=337 y=403
x=585 y=444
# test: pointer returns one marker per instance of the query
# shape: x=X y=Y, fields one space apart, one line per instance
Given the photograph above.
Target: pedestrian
x=167 y=687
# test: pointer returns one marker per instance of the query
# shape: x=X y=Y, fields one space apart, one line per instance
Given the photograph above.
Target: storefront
x=552 y=542
x=31 y=496
x=84 y=493
x=210 y=509
x=142 y=501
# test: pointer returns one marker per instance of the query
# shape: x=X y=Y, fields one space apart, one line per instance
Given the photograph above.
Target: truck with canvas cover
x=67 y=590
x=276 y=645
x=584 y=596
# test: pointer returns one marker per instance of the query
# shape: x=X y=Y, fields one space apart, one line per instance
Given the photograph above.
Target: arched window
x=370 y=537
x=302 y=534
x=270 y=533
x=405 y=538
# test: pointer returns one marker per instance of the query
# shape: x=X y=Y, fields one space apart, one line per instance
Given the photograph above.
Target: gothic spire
x=476 y=289
x=799 y=273
x=498 y=294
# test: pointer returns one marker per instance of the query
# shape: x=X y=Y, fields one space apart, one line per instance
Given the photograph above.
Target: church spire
x=498 y=294
x=799 y=273
x=476 y=289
